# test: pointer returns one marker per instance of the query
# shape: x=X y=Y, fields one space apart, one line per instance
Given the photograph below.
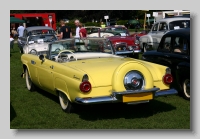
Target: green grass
x=41 y=110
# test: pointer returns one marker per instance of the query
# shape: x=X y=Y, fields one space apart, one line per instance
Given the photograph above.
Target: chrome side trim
x=96 y=100
x=166 y=92
x=137 y=51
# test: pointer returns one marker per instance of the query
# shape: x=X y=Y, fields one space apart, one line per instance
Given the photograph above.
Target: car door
x=153 y=33
x=157 y=35
x=45 y=74
x=167 y=55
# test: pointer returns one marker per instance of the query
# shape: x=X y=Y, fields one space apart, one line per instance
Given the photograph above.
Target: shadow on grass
x=12 y=112
x=120 y=110
x=115 y=110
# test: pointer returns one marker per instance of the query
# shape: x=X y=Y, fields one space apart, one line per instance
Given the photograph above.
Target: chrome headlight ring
x=33 y=51
x=134 y=80
x=137 y=42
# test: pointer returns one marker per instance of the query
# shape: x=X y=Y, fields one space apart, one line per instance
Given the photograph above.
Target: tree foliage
x=89 y=15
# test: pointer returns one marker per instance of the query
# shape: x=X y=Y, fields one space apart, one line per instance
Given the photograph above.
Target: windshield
x=41 y=38
x=121 y=31
x=100 y=45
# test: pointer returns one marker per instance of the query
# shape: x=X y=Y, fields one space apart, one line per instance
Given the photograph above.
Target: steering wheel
x=56 y=57
x=57 y=50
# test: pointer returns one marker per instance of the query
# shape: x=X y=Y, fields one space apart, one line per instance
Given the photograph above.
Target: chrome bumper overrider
x=117 y=96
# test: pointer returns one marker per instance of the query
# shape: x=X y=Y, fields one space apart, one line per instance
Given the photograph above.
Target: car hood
x=128 y=39
x=38 y=47
x=102 y=70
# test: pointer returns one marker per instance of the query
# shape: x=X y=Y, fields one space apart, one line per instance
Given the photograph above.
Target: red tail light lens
x=168 y=79
x=85 y=86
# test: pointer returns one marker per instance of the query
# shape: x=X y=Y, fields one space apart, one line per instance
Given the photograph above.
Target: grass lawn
x=41 y=110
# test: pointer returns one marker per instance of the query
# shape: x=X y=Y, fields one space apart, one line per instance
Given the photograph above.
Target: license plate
x=137 y=97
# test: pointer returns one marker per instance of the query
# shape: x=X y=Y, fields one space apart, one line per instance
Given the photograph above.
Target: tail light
x=167 y=78
x=85 y=86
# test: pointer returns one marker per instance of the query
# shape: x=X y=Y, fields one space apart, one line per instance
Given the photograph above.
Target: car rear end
x=121 y=80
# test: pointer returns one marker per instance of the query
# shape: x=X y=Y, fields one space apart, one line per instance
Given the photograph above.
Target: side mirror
x=41 y=57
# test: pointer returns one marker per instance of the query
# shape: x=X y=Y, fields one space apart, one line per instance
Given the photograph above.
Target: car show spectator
x=11 y=37
x=82 y=31
x=103 y=25
x=14 y=32
x=65 y=31
x=20 y=30
x=76 y=22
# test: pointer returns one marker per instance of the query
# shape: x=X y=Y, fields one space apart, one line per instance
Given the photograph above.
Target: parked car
x=133 y=24
x=35 y=39
x=111 y=31
x=92 y=29
x=125 y=43
x=161 y=27
x=88 y=71
x=120 y=38
x=174 y=52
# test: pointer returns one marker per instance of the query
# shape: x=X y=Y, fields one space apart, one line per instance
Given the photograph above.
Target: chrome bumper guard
x=117 y=96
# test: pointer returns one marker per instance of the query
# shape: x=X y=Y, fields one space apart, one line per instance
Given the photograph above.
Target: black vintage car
x=174 y=52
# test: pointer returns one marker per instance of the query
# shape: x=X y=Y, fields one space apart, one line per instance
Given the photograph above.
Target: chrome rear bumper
x=117 y=96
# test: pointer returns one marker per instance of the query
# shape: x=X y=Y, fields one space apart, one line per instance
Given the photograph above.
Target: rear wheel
x=65 y=104
x=29 y=84
x=186 y=89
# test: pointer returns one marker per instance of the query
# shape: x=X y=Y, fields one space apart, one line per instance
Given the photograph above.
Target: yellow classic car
x=90 y=71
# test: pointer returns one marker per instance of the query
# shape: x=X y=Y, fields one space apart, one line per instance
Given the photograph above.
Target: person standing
x=103 y=25
x=11 y=37
x=76 y=22
x=20 y=30
x=65 y=31
x=82 y=31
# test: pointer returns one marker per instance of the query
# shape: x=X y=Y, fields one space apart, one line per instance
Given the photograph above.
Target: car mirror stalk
x=42 y=57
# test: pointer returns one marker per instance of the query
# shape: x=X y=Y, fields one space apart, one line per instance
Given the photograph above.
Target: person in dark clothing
x=65 y=31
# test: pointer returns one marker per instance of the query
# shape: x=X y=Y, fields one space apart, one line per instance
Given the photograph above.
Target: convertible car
x=88 y=71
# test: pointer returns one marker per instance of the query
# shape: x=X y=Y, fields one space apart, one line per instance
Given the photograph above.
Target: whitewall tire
x=29 y=84
x=65 y=104
x=186 y=89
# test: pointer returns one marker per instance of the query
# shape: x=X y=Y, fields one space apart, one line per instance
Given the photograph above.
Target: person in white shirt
x=76 y=22
x=20 y=30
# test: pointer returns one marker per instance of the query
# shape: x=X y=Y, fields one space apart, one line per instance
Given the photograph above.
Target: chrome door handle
x=51 y=67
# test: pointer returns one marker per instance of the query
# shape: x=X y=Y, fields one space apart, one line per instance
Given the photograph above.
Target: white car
x=35 y=40
x=93 y=31
x=161 y=27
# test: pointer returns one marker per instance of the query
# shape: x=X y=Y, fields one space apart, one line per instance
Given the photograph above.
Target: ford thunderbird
x=89 y=71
